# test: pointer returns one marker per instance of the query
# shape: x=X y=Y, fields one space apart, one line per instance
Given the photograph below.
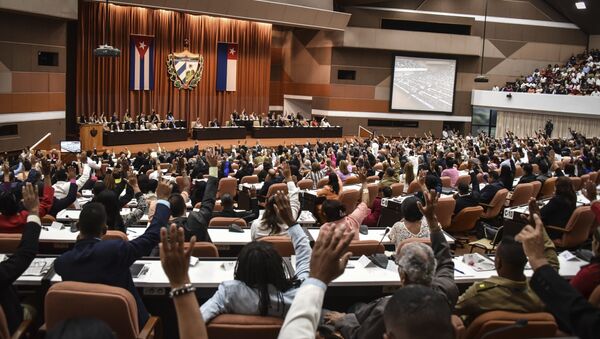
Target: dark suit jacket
x=468 y=200
x=572 y=312
x=12 y=268
x=557 y=212
x=197 y=221
x=368 y=323
x=489 y=191
x=107 y=261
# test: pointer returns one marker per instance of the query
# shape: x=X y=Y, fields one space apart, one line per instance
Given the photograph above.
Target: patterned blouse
x=399 y=232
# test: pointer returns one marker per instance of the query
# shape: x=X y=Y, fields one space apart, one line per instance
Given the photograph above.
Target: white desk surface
x=210 y=273
x=222 y=236
x=568 y=269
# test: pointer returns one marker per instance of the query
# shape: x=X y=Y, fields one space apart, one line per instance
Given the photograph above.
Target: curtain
x=102 y=78
x=524 y=124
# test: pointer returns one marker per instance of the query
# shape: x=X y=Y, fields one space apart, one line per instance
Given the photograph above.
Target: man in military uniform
x=509 y=291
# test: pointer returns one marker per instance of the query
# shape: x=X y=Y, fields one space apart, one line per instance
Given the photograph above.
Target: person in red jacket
x=588 y=277
x=373 y=219
x=13 y=220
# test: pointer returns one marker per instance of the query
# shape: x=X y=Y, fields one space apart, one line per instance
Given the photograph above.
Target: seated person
x=451 y=172
x=464 y=198
x=543 y=175
x=588 y=277
x=373 y=219
x=273 y=177
x=528 y=175
x=13 y=267
x=112 y=208
x=332 y=190
x=315 y=174
x=263 y=286
x=229 y=212
x=509 y=291
x=345 y=170
x=12 y=217
x=334 y=212
x=197 y=124
x=196 y=223
x=93 y=260
x=246 y=169
x=413 y=225
x=389 y=178
x=270 y=223
x=487 y=193
x=417 y=309
x=418 y=264
x=561 y=206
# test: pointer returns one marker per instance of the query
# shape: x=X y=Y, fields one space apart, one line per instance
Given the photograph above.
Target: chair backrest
x=115 y=235
x=459 y=327
x=584 y=179
x=444 y=211
x=413 y=187
x=223 y=221
x=536 y=168
x=466 y=219
x=521 y=194
x=578 y=227
x=349 y=198
x=463 y=166
x=282 y=244
x=47 y=219
x=351 y=180
x=446 y=182
x=577 y=183
x=9 y=242
x=595 y=297
x=464 y=179
x=256 y=171
x=203 y=249
x=397 y=189
x=4 y=332
x=277 y=187
x=496 y=204
x=179 y=182
x=365 y=247
x=411 y=240
x=518 y=171
x=226 y=326
x=322 y=182
x=373 y=191
x=538 y=325
x=372 y=178
x=113 y=305
x=249 y=179
x=548 y=188
x=305 y=184
x=594 y=177
x=235 y=166
x=536 y=188
x=227 y=185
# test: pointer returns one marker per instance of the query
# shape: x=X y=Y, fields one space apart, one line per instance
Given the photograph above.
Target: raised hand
x=532 y=238
x=31 y=199
x=431 y=200
x=283 y=209
x=287 y=173
x=163 y=190
x=174 y=258
x=212 y=158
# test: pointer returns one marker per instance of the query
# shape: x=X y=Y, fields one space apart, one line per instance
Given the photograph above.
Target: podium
x=90 y=136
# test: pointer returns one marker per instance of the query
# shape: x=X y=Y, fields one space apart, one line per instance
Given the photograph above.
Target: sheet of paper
x=363 y=261
x=57 y=225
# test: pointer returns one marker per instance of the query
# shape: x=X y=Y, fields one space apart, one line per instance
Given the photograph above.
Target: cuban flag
x=141 y=64
x=227 y=55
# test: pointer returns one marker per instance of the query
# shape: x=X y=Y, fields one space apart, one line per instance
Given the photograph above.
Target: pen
x=459 y=271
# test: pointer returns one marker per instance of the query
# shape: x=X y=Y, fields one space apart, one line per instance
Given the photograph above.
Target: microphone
x=380 y=259
x=519 y=323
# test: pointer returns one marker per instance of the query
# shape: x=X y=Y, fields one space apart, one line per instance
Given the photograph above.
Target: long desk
x=246 y=124
x=217 y=133
x=297 y=132
x=144 y=136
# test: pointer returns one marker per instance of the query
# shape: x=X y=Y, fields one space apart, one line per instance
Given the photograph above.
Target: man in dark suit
x=94 y=260
x=229 y=212
x=12 y=268
x=549 y=128
x=465 y=199
x=489 y=191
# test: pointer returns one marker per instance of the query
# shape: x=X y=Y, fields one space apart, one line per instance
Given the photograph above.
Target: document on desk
x=39 y=267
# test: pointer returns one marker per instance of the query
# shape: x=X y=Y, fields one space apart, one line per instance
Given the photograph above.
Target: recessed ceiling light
x=580 y=5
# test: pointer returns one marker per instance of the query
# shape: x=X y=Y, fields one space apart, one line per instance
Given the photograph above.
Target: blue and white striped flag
x=141 y=64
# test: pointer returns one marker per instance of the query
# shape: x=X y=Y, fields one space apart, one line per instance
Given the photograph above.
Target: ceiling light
x=580 y=5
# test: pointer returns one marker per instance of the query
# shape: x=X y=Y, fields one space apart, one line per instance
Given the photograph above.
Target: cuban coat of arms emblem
x=185 y=69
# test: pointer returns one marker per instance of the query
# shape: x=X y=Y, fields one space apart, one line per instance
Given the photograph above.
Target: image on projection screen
x=423 y=84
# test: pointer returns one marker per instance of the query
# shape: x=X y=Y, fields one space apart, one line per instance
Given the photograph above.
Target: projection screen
x=423 y=84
